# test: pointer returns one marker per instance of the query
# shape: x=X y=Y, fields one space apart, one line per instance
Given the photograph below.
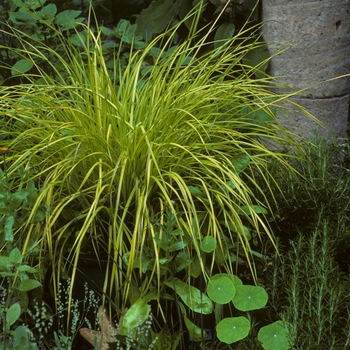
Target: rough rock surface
x=315 y=39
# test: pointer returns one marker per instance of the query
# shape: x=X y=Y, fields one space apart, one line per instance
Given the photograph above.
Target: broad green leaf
x=23 y=17
x=232 y=329
x=236 y=280
x=249 y=298
x=136 y=315
x=182 y=260
x=191 y=296
x=236 y=259
x=139 y=45
x=195 y=191
x=248 y=209
x=4 y=210
x=240 y=162
x=68 y=19
x=196 y=333
x=208 y=244
x=107 y=31
x=15 y=256
x=244 y=230
x=8 y=274
x=156 y=51
x=17 y=198
x=221 y=289
x=185 y=7
x=262 y=116
x=164 y=261
x=129 y=36
x=47 y=13
x=41 y=213
x=21 y=66
x=144 y=264
x=275 y=336
x=26 y=268
x=222 y=256
x=218 y=311
x=78 y=39
x=32 y=195
x=21 y=338
x=122 y=25
x=12 y=314
x=27 y=285
x=165 y=245
x=259 y=255
x=177 y=246
x=30 y=4
x=156 y=17
x=107 y=46
x=223 y=34
x=231 y=184
x=195 y=267
x=4 y=262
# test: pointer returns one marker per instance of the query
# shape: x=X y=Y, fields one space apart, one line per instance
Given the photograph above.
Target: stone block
x=331 y=112
x=316 y=35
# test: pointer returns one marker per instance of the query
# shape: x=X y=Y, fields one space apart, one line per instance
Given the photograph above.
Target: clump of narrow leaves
x=177 y=130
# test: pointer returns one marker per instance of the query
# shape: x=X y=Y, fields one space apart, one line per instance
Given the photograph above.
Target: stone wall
x=316 y=38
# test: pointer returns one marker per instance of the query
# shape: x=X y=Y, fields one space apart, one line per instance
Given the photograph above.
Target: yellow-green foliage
x=175 y=130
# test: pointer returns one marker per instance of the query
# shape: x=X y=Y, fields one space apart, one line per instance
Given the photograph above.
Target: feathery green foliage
x=323 y=184
x=310 y=291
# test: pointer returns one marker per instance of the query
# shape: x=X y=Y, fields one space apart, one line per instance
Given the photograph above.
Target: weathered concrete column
x=317 y=34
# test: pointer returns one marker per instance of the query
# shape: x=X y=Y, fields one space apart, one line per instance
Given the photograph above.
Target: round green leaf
x=236 y=280
x=275 y=336
x=221 y=290
x=249 y=298
x=232 y=329
x=208 y=244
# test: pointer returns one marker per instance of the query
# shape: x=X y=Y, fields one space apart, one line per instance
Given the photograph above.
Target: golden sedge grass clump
x=186 y=131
